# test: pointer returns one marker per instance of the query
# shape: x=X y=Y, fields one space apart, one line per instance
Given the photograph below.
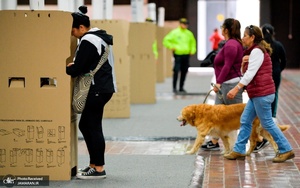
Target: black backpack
x=209 y=59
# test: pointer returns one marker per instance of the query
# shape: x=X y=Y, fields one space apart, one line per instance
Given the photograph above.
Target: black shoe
x=85 y=169
x=210 y=146
x=261 y=145
x=92 y=174
x=182 y=91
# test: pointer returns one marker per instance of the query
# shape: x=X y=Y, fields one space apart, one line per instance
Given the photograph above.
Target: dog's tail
x=283 y=127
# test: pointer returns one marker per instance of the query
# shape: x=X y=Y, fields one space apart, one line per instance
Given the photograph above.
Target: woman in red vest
x=257 y=77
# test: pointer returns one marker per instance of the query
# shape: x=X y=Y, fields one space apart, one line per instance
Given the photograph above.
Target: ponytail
x=234 y=28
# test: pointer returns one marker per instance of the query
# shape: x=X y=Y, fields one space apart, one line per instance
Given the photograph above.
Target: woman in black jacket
x=278 y=58
x=92 y=44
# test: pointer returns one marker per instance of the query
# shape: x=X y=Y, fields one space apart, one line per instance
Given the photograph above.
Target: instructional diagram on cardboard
x=33 y=146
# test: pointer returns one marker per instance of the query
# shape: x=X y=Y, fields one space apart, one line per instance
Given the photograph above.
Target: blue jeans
x=261 y=107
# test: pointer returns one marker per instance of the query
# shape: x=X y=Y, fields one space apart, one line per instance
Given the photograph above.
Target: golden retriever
x=220 y=120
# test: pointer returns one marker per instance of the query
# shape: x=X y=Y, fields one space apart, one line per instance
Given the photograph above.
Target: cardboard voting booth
x=142 y=63
x=37 y=128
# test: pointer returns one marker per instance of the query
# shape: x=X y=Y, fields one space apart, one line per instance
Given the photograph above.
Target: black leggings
x=90 y=125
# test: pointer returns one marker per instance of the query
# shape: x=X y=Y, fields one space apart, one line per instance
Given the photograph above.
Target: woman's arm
x=255 y=61
x=83 y=59
x=256 y=58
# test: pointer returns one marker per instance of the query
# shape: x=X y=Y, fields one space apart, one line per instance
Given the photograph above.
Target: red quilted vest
x=262 y=83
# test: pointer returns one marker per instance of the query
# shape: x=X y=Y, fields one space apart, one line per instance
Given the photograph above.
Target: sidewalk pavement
x=148 y=149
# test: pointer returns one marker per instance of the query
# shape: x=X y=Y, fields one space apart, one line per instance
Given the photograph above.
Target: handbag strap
x=102 y=60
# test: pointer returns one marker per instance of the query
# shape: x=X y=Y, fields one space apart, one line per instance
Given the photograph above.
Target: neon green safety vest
x=182 y=40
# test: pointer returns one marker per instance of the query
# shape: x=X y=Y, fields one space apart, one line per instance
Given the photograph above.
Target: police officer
x=183 y=44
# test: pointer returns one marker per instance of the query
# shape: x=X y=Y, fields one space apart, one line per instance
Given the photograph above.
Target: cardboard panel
x=169 y=56
x=161 y=66
x=143 y=79
x=141 y=38
x=142 y=63
x=119 y=105
x=36 y=120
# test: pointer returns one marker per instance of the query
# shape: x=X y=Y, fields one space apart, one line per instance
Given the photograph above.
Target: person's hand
x=70 y=64
x=245 y=59
x=232 y=93
x=216 y=87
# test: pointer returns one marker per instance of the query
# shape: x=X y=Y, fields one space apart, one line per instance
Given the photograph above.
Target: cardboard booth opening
x=48 y=82
x=16 y=82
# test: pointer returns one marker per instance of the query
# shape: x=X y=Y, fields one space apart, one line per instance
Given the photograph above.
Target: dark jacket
x=278 y=61
x=87 y=58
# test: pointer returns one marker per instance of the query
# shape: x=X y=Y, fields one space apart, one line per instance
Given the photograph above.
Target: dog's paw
x=190 y=152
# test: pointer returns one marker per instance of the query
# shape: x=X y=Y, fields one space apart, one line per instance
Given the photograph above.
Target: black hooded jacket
x=89 y=50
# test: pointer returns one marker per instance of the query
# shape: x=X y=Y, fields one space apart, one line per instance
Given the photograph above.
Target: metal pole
x=37 y=4
x=161 y=17
x=66 y=5
x=108 y=9
x=137 y=10
x=98 y=7
x=9 y=4
x=152 y=11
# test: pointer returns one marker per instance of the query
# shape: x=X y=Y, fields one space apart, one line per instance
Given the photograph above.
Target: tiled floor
x=256 y=171
x=142 y=147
